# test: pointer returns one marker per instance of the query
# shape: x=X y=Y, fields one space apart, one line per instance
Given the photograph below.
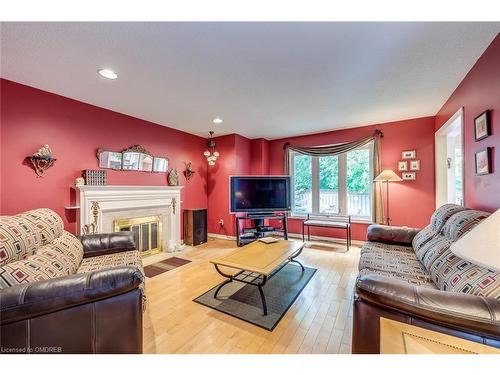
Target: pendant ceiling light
x=211 y=154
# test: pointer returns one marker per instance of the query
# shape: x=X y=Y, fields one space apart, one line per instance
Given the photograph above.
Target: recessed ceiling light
x=217 y=120
x=107 y=73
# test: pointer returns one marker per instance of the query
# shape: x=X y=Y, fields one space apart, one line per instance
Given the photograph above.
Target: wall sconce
x=42 y=160
x=211 y=154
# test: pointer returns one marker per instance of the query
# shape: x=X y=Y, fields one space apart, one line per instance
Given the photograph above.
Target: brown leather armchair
x=463 y=315
x=96 y=312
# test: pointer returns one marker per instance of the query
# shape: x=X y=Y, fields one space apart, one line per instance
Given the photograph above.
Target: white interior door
x=450 y=161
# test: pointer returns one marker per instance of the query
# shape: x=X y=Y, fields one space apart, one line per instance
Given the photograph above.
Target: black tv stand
x=246 y=235
x=258 y=217
x=260 y=214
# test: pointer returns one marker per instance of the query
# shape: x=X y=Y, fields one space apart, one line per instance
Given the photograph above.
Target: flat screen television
x=256 y=194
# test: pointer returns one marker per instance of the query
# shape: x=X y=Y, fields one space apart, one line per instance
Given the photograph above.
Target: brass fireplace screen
x=146 y=230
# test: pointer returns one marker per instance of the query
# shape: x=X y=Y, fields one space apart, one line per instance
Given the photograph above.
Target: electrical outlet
x=221 y=222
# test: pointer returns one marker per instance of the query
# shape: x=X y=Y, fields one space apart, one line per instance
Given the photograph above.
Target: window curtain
x=330 y=150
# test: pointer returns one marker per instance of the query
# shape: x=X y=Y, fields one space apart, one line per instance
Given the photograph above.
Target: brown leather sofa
x=98 y=311
x=410 y=275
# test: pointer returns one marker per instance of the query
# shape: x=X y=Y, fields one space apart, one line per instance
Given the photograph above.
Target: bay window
x=333 y=184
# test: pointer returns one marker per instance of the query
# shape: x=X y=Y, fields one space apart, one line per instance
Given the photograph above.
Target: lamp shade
x=387 y=175
x=481 y=245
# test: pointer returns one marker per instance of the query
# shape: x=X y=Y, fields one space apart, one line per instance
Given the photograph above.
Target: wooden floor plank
x=319 y=321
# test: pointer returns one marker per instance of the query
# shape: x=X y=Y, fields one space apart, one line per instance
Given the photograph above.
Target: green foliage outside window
x=357 y=173
x=329 y=173
x=302 y=173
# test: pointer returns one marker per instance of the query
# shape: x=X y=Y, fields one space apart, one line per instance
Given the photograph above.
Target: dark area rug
x=164 y=266
x=243 y=301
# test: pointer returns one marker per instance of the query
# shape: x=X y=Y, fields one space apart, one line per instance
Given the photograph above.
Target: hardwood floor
x=319 y=321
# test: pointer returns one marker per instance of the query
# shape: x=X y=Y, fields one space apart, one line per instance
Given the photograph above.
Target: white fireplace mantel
x=117 y=201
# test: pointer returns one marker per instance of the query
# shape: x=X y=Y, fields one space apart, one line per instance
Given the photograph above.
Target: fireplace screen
x=146 y=230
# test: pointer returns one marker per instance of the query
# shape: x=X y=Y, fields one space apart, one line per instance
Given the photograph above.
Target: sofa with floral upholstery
x=411 y=275
x=63 y=294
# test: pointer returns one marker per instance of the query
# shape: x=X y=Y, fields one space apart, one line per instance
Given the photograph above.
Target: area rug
x=243 y=301
x=164 y=266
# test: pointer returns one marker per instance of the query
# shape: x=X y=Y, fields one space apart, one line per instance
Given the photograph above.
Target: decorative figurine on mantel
x=79 y=181
x=92 y=228
x=173 y=177
x=188 y=172
x=42 y=160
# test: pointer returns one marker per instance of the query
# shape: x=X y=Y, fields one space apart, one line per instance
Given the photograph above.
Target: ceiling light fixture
x=217 y=120
x=107 y=73
x=211 y=155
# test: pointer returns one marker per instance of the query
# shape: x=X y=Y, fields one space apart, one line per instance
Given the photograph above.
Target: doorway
x=450 y=161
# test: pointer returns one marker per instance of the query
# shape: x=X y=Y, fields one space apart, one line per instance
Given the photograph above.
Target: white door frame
x=440 y=160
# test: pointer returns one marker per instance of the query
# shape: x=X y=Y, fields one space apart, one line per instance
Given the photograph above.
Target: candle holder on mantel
x=42 y=160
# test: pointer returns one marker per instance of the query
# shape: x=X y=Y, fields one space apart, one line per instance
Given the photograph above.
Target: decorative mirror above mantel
x=134 y=158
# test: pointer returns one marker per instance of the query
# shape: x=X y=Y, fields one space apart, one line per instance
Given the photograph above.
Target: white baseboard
x=293 y=235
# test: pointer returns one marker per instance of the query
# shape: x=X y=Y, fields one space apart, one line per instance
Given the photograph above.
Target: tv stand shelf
x=246 y=235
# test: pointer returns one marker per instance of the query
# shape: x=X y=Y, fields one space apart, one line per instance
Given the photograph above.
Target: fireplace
x=151 y=204
x=147 y=232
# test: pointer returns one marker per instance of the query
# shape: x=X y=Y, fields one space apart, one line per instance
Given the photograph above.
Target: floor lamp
x=387 y=175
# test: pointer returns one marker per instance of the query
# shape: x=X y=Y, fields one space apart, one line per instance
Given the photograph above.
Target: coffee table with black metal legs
x=257 y=263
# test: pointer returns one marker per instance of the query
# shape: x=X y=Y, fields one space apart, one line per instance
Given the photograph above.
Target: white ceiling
x=264 y=79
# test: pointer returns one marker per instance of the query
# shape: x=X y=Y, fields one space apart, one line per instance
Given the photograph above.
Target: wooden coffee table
x=258 y=262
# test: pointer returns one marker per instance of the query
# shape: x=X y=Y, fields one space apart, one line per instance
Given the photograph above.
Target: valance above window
x=341 y=148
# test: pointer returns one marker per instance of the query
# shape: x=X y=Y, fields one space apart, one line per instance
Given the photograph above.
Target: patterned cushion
x=384 y=247
x=48 y=223
x=410 y=280
x=59 y=258
x=455 y=274
x=433 y=249
x=18 y=239
x=125 y=258
x=438 y=220
x=67 y=248
x=22 y=234
x=399 y=261
x=455 y=227
x=37 y=267
x=462 y=222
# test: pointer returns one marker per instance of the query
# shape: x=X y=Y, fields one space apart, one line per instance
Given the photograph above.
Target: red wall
x=218 y=186
x=243 y=147
x=74 y=130
x=259 y=163
x=480 y=90
x=235 y=152
x=411 y=202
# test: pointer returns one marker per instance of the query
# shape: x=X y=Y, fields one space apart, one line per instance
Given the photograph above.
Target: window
x=333 y=185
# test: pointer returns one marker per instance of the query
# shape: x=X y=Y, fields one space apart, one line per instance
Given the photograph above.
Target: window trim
x=342 y=183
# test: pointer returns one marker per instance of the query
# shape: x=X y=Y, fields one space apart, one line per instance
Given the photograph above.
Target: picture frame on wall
x=408 y=154
x=402 y=166
x=409 y=176
x=482 y=126
x=415 y=165
x=483 y=161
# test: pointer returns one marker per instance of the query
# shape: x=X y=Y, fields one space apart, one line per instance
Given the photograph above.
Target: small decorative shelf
x=72 y=207
x=41 y=164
